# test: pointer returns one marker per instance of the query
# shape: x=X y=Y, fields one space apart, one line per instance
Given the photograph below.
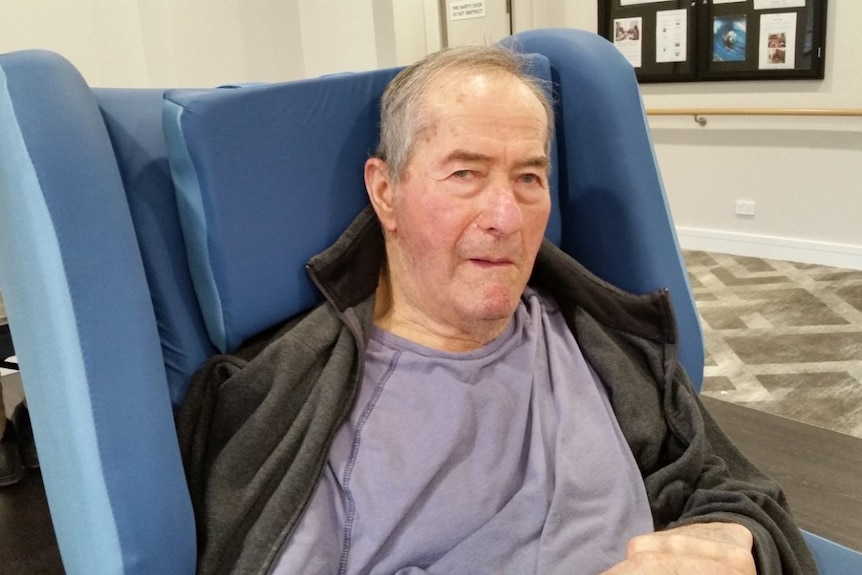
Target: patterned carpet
x=782 y=337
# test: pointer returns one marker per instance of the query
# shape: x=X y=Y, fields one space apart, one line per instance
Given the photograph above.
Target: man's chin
x=492 y=305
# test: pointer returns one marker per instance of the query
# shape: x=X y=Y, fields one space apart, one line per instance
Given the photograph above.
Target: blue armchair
x=123 y=270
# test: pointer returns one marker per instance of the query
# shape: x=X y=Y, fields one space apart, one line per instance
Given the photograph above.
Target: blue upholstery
x=832 y=558
x=117 y=287
x=250 y=186
x=133 y=119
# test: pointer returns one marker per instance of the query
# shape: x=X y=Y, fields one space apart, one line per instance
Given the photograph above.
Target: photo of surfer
x=728 y=39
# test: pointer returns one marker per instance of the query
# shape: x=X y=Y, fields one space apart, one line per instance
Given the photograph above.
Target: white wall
x=803 y=174
x=338 y=35
x=106 y=39
x=178 y=43
x=165 y=43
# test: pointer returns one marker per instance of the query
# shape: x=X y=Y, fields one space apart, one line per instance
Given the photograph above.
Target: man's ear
x=378 y=184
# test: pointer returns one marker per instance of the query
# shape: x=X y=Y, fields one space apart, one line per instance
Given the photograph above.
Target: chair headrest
x=267 y=176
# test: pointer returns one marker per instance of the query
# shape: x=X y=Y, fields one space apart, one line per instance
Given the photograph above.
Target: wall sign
x=694 y=40
x=463 y=10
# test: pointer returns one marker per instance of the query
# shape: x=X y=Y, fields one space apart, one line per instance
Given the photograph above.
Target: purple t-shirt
x=506 y=459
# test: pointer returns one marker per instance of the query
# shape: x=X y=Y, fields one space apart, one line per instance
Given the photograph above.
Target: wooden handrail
x=700 y=114
x=846 y=112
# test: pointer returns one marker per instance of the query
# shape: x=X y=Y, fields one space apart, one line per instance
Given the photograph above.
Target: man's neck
x=406 y=322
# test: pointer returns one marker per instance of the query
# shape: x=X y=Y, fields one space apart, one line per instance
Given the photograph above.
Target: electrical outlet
x=744 y=208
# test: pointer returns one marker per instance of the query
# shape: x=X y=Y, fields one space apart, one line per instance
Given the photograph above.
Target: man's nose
x=501 y=212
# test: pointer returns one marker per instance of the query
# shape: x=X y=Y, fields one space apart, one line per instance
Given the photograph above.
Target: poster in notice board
x=699 y=40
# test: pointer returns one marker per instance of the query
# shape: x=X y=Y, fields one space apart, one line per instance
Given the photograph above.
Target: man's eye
x=461 y=174
x=529 y=178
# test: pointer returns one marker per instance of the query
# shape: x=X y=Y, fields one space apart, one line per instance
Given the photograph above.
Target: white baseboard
x=775 y=248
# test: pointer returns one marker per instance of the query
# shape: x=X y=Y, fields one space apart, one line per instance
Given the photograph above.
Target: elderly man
x=469 y=399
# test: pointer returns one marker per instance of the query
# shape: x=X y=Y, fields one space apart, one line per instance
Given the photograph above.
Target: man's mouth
x=491 y=262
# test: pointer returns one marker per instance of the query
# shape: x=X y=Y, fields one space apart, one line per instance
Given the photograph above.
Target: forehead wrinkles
x=452 y=92
x=426 y=114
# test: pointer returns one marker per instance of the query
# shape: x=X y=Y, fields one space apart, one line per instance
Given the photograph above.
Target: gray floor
x=819 y=469
x=27 y=542
x=782 y=338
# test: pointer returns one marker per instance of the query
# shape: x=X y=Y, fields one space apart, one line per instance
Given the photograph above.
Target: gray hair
x=402 y=104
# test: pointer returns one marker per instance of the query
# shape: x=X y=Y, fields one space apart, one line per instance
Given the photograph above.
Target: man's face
x=469 y=213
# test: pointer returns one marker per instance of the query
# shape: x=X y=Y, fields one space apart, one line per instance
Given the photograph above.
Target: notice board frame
x=708 y=40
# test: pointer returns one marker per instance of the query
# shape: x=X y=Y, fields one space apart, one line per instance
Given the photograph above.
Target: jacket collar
x=348 y=272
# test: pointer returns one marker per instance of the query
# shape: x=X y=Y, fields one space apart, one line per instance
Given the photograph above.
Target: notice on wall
x=727 y=1
x=465 y=10
x=635 y=2
x=770 y=4
x=627 y=39
x=777 y=41
x=671 y=33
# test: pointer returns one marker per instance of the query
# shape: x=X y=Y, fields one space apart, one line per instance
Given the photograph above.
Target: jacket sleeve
x=729 y=488
x=692 y=472
x=254 y=433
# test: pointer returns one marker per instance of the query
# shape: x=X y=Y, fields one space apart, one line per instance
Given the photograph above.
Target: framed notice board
x=698 y=40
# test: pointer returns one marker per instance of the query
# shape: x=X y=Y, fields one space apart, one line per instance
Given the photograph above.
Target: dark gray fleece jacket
x=256 y=425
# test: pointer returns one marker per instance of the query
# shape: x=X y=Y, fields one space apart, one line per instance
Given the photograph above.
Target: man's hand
x=702 y=548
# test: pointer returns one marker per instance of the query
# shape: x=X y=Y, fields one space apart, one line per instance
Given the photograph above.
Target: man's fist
x=702 y=548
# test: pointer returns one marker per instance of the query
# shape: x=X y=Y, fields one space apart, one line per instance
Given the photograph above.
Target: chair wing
x=84 y=329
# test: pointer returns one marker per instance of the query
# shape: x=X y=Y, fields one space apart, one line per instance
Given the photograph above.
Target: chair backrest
x=118 y=287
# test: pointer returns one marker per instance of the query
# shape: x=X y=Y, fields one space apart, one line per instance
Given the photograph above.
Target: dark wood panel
x=820 y=470
x=27 y=542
